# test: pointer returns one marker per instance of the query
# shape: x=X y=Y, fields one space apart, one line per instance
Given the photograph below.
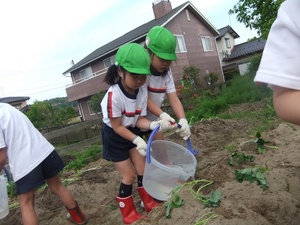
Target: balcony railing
x=97 y=73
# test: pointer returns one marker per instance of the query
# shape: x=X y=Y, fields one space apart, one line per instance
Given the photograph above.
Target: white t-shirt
x=280 y=64
x=26 y=146
x=158 y=87
x=119 y=103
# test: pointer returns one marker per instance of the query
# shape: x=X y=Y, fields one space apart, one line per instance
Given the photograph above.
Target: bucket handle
x=6 y=173
x=149 y=143
x=189 y=145
x=188 y=141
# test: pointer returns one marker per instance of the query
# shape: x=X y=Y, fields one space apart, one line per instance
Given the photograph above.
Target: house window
x=86 y=73
x=206 y=44
x=227 y=43
x=180 y=47
x=109 y=61
x=91 y=111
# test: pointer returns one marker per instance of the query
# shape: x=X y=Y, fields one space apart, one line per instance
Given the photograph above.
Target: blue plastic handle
x=149 y=143
x=188 y=142
x=194 y=151
x=189 y=145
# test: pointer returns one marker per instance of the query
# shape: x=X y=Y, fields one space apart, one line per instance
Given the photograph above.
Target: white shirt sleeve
x=280 y=64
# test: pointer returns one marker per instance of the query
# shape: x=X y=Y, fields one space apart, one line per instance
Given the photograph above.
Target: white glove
x=184 y=131
x=164 y=125
x=167 y=117
x=140 y=145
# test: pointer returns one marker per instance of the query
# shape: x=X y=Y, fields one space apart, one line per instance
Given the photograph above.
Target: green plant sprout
x=175 y=202
x=261 y=144
x=253 y=174
x=240 y=157
x=204 y=219
x=213 y=200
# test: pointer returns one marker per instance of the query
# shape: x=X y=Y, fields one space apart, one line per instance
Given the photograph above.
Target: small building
x=236 y=58
x=19 y=102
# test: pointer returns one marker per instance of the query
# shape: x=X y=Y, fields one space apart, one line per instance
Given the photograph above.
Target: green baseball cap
x=162 y=43
x=134 y=58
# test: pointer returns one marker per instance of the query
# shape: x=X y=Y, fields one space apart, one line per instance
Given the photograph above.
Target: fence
x=76 y=137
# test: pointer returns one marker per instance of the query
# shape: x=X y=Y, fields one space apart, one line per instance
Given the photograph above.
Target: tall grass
x=241 y=89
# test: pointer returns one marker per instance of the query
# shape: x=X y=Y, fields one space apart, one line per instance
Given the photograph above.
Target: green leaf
x=230 y=160
x=261 y=150
x=214 y=200
x=241 y=157
x=168 y=205
x=251 y=175
x=215 y=196
x=177 y=201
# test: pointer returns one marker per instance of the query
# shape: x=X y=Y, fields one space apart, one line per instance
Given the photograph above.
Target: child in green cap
x=124 y=107
x=161 y=46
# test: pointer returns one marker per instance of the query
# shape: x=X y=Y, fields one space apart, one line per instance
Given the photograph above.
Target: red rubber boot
x=76 y=216
x=149 y=202
x=128 y=210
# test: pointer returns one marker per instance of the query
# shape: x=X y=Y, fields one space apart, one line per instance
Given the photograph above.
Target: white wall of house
x=223 y=48
x=243 y=68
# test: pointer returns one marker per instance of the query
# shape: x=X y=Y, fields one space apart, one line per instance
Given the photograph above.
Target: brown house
x=196 y=46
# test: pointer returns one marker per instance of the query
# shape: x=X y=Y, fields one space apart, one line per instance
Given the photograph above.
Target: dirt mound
x=242 y=203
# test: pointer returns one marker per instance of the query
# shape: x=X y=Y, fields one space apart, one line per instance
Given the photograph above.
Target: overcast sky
x=40 y=38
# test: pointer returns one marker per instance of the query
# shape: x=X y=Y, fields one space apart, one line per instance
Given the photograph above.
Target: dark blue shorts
x=145 y=133
x=51 y=166
x=116 y=148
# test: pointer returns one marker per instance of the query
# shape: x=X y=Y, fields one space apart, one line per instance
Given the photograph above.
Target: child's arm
x=3 y=156
x=178 y=109
x=152 y=107
x=286 y=104
x=176 y=105
x=120 y=129
x=156 y=110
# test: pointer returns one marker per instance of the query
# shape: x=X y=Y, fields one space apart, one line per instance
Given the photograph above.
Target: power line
x=45 y=90
x=36 y=92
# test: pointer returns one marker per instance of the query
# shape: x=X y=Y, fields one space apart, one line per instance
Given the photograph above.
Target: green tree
x=44 y=114
x=253 y=65
x=62 y=102
x=257 y=14
x=96 y=100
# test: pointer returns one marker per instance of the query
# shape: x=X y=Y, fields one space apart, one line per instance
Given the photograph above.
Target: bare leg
x=59 y=189
x=26 y=201
x=126 y=170
x=138 y=161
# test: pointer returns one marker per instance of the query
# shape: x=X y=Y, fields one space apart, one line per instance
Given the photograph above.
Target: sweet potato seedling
x=240 y=158
x=212 y=200
x=253 y=174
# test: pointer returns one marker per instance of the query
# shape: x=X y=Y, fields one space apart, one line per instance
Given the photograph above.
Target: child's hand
x=184 y=131
x=164 y=125
x=140 y=145
x=167 y=117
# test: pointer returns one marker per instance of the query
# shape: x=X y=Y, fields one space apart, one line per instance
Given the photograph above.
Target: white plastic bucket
x=171 y=165
x=4 y=209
